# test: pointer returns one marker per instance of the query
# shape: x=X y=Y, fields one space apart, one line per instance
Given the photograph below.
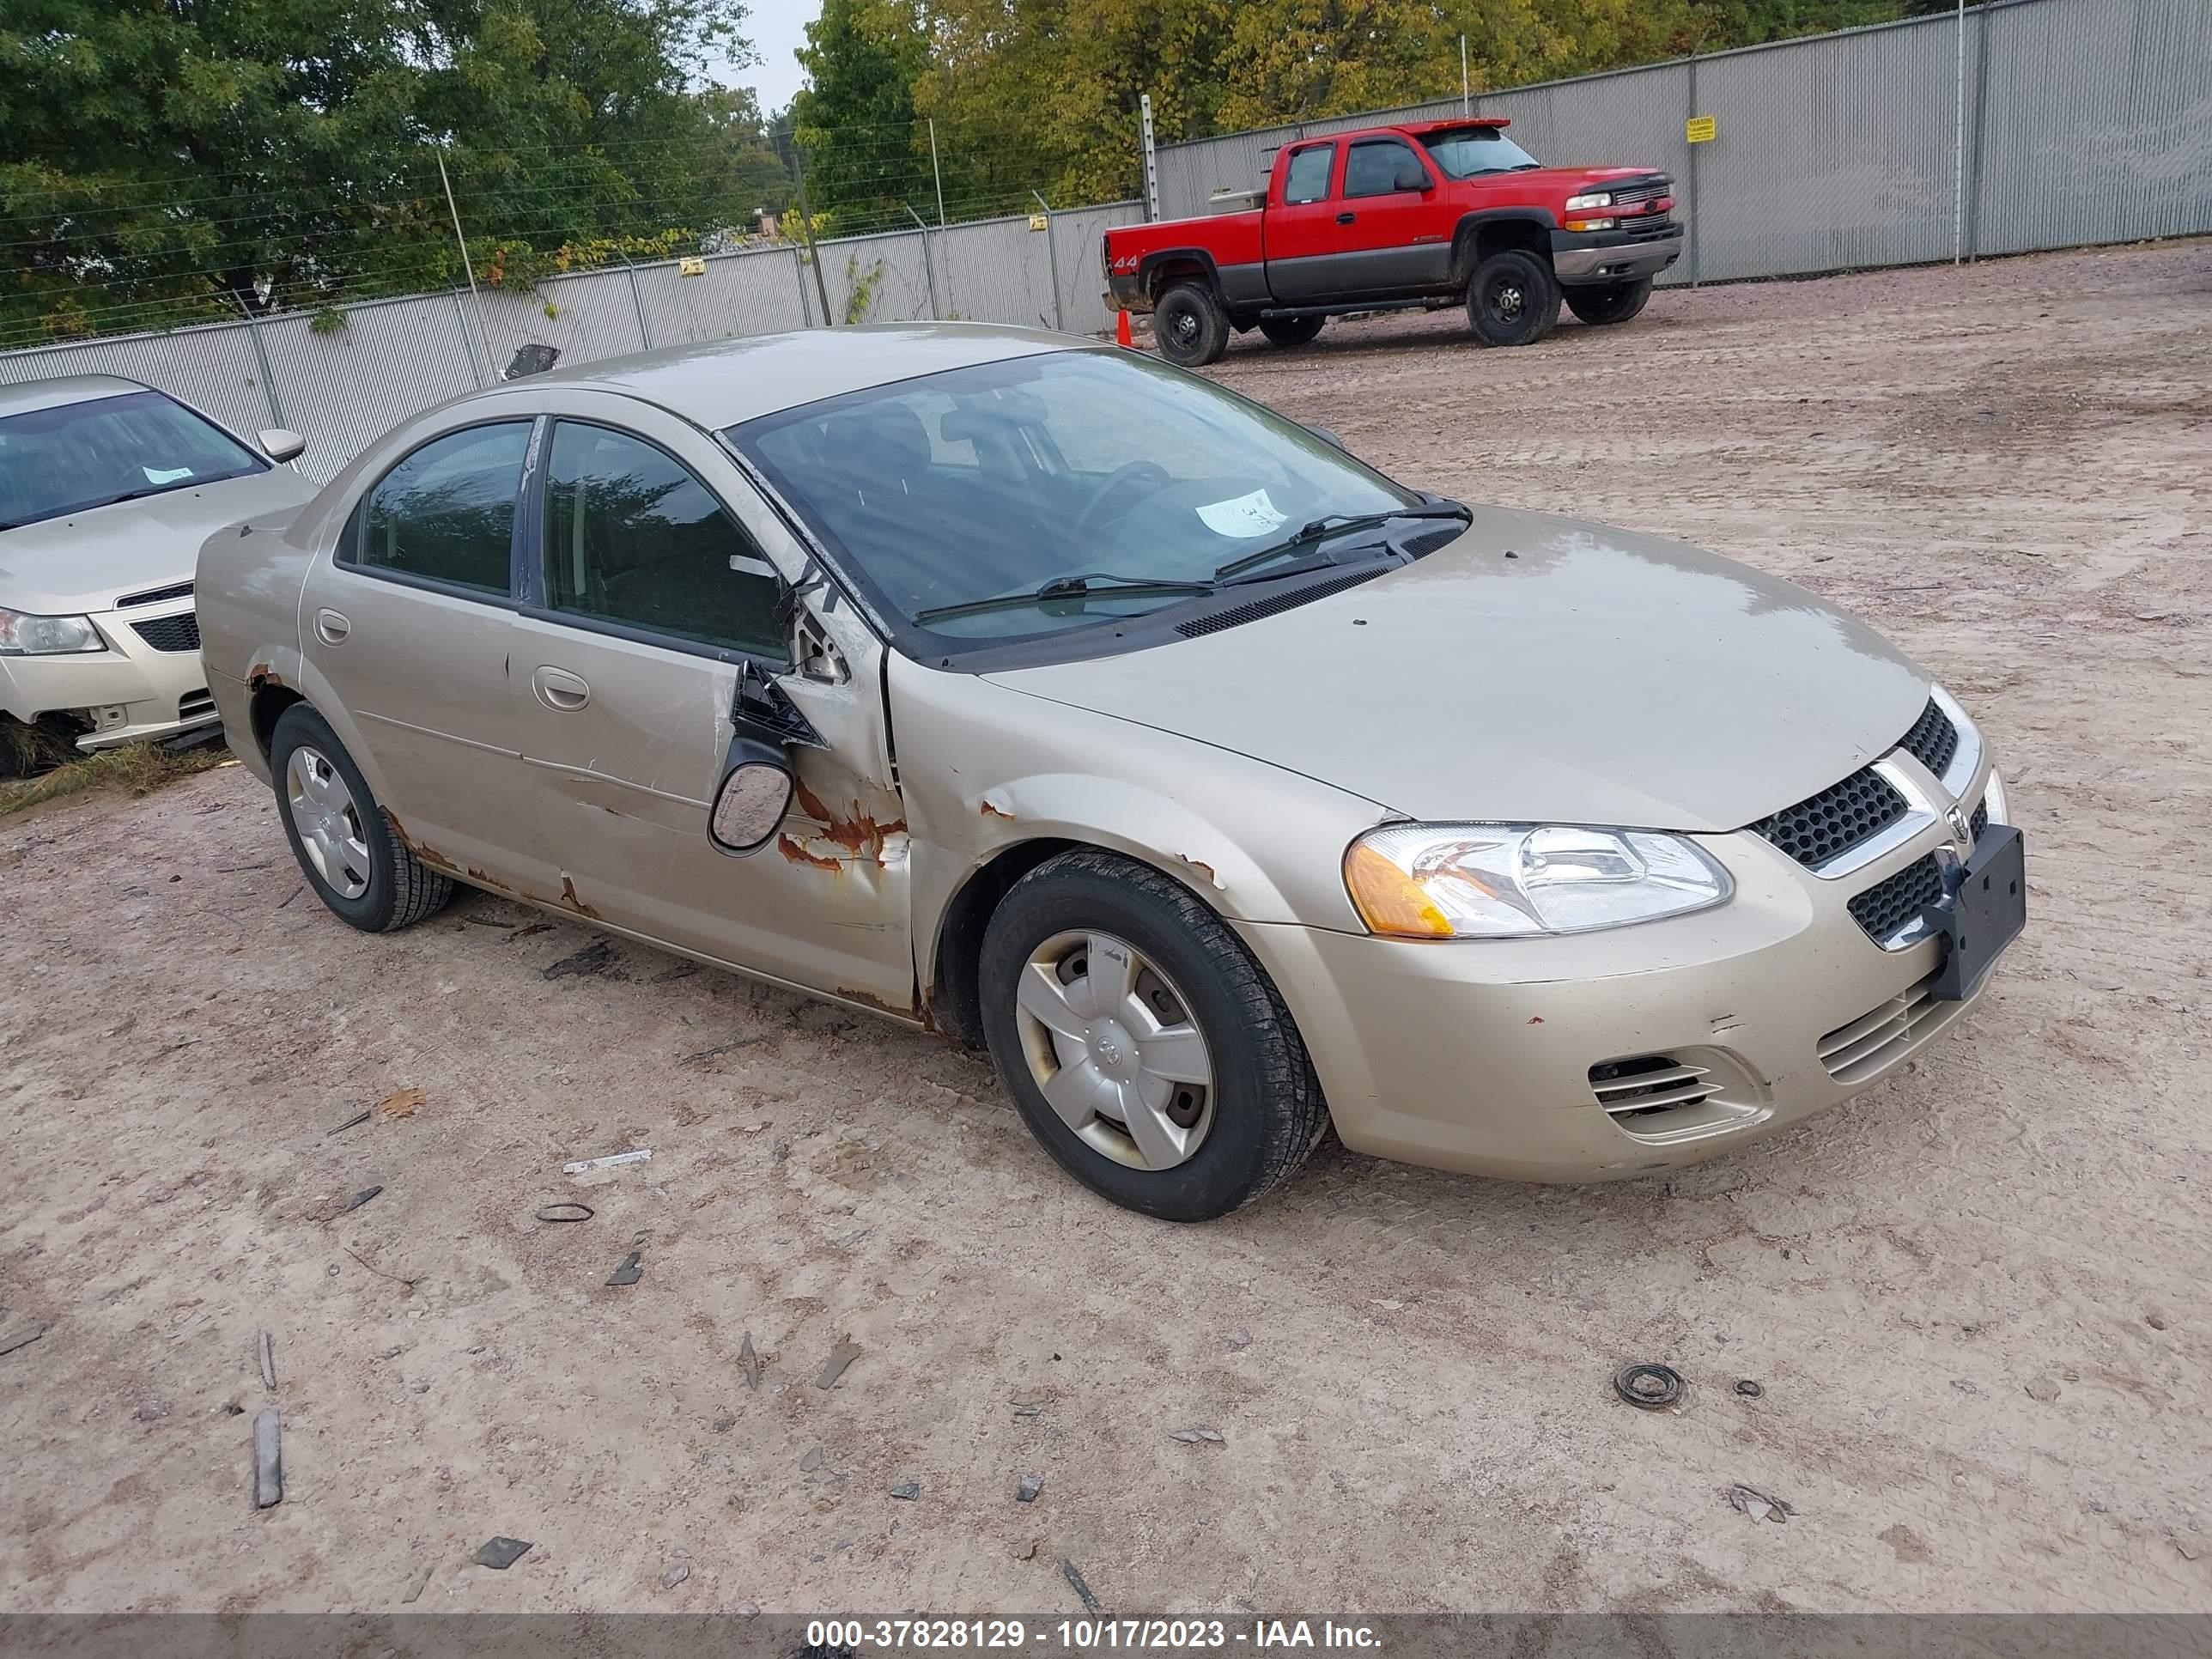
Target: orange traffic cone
x=1121 y=331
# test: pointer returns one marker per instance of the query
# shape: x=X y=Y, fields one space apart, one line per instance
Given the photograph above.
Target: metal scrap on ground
x=1069 y=1571
x=500 y=1553
x=1026 y=1491
x=586 y=1165
x=268 y=1461
x=629 y=1272
x=1749 y=1500
x=268 y=1362
x=750 y=1362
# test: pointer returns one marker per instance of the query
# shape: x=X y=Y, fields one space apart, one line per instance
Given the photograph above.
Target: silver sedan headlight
x=25 y=635
x=1515 y=880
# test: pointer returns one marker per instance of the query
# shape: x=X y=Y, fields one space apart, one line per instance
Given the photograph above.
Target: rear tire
x=1247 y=1108
x=1512 y=299
x=1614 y=302
x=1190 y=327
x=363 y=873
x=1291 y=331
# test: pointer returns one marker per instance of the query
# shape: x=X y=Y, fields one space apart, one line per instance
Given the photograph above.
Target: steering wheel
x=1117 y=481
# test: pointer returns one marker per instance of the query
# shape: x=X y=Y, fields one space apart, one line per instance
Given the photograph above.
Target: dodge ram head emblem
x=1962 y=829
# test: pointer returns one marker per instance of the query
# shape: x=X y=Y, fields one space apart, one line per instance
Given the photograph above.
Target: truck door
x=1301 y=228
x=1390 y=237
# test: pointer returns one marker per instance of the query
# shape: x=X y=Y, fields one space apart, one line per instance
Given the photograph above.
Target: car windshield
x=1103 y=473
x=1465 y=151
x=73 y=457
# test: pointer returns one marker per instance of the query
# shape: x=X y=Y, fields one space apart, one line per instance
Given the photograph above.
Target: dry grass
x=135 y=768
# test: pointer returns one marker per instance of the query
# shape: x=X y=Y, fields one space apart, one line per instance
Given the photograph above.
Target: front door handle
x=331 y=626
x=557 y=688
x=1345 y=218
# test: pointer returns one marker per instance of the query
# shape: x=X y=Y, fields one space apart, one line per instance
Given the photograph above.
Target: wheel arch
x=1491 y=230
x=1158 y=270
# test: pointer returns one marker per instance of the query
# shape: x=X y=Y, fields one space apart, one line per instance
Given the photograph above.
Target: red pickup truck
x=1425 y=214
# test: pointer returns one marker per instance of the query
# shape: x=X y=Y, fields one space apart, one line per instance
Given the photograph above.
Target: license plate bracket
x=1982 y=911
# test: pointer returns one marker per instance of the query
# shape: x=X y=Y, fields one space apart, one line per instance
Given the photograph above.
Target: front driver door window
x=408 y=622
x=648 y=596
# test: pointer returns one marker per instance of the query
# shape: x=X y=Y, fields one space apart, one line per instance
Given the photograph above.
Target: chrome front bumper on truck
x=1614 y=256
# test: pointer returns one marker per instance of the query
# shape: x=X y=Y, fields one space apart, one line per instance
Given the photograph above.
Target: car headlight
x=1596 y=198
x=22 y=635
x=1518 y=880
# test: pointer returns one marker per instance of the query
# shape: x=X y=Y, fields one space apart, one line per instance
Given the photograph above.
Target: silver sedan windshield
x=1110 y=477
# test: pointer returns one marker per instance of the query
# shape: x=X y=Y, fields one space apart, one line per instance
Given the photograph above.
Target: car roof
x=22 y=396
x=726 y=382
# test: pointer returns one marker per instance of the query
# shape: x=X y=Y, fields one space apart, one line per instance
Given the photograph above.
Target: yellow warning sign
x=1039 y=222
x=691 y=267
x=1702 y=129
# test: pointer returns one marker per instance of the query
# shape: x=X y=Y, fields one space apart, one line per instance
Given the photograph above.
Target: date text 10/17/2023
x=1087 y=1635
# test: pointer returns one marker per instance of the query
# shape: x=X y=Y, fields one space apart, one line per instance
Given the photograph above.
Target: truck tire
x=1190 y=325
x=1614 y=302
x=1512 y=299
x=1290 y=331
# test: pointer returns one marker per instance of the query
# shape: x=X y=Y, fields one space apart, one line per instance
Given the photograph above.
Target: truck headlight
x=22 y=635
x=1596 y=198
x=1515 y=881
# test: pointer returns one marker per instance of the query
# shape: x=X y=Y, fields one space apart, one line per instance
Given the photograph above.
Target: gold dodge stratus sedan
x=1071 y=705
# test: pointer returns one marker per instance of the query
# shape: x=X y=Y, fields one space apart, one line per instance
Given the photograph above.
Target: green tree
x=162 y=161
x=854 y=119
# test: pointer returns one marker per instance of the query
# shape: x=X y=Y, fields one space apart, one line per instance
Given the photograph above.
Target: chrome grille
x=1640 y=190
x=1933 y=741
x=178 y=633
x=1835 y=820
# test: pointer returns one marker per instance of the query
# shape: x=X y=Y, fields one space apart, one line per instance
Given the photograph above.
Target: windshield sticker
x=156 y=475
x=1245 y=517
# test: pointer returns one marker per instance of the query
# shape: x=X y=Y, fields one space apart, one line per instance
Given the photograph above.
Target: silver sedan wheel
x=1113 y=1049
x=329 y=823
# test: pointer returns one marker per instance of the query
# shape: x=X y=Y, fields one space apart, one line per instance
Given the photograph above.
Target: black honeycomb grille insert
x=180 y=633
x=1933 y=741
x=1980 y=822
x=1888 y=905
x=1835 y=820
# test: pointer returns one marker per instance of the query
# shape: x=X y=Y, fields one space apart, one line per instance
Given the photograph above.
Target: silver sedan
x=1073 y=707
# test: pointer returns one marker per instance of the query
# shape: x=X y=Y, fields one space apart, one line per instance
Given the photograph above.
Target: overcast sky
x=777 y=29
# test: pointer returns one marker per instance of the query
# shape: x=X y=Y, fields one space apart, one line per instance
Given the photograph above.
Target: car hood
x=1536 y=670
x=82 y=561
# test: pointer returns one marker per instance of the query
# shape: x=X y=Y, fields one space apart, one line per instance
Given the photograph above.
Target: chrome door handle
x=331 y=627
x=557 y=688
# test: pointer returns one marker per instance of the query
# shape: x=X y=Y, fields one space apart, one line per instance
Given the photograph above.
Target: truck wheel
x=1513 y=299
x=1290 y=331
x=1190 y=325
x=1614 y=302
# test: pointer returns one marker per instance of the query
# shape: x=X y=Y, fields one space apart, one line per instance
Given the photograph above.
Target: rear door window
x=1308 y=179
x=445 y=513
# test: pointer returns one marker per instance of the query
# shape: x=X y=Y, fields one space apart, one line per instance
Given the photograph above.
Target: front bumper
x=128 y=693
x=1613 y=256
x=1478 y=1055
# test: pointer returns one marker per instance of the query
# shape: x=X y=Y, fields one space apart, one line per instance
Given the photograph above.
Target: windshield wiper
x=1067 y=587
x=1338 y=524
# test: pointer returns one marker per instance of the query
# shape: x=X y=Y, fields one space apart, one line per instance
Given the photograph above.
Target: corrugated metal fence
x=392 y=358
x=2085 y=121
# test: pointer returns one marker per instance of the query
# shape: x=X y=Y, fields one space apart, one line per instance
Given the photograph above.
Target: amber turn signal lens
x=1387 y=899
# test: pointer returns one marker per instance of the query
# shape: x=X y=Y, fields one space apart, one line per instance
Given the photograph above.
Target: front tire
x=1291 y=331
x=1148 y=1051
x=1190 y=325
x=1512 y=299
x=1614 y=302
x=363 y=873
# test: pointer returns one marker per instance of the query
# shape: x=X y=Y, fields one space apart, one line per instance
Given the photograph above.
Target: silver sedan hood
x=1540 y=669
x=83 y=561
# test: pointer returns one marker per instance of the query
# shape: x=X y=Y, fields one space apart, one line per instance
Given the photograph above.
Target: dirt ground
x=1975 y=1299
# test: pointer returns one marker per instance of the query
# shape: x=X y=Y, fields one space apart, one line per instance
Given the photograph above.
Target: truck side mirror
x=1410 y=176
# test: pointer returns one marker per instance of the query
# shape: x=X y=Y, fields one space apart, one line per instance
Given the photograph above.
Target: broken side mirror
x=754 y=797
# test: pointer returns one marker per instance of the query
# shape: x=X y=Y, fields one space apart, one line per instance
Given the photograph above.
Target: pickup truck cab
x=1425 y=213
